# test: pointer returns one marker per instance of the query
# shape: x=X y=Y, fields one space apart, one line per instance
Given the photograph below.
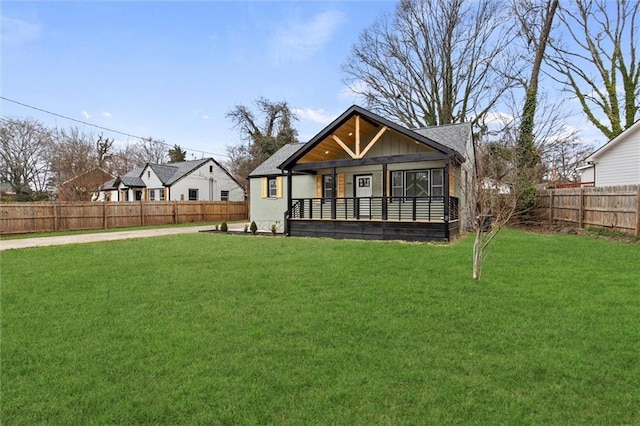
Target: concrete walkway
x=103 y=236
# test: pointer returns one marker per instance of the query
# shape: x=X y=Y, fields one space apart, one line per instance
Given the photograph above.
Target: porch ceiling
x=330 y=149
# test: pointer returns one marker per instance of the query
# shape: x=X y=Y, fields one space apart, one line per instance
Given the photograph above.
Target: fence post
x=175 y=212
x=141 y=213
x=228 y=212
x=551 y=206
x=581 y=209
x=203 y=211
x=104 y=215
x=55 y=217
x=637 y=211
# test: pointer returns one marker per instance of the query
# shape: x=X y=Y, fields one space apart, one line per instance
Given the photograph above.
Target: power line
x=106 y=128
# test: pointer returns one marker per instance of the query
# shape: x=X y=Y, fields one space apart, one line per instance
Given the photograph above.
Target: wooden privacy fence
x=17 y=218
x=613 y=207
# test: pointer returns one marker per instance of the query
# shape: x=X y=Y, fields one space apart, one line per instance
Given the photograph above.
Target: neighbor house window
x=161 y=194
x=327 y=186
x=210 y=169
x=224 y=195
x=272 y=186
x=152 y=194
x=193 y=194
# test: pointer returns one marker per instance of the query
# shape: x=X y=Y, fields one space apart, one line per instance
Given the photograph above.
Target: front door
x=364 y=192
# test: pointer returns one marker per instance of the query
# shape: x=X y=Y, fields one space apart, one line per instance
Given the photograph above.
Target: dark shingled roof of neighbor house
x=270 y=166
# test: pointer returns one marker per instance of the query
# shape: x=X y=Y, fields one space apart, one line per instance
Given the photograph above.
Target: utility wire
x=105 y=128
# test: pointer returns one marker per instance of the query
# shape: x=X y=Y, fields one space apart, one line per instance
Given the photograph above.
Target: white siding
x=209 y=185
x=620 y=165
x=586 y=175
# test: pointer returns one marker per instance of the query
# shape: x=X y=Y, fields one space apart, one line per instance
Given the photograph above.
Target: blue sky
x=172 y=70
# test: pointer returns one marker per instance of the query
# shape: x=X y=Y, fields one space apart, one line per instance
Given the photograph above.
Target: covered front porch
x=432 y=218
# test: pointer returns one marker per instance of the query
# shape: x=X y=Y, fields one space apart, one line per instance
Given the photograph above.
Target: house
x=615 y=163
x=366 y=177
x=194 y=180
x=84 y=187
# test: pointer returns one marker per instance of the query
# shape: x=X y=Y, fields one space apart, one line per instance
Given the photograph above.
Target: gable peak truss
x=359 y=152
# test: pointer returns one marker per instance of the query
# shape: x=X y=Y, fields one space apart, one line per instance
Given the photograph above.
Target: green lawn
x=232 y=329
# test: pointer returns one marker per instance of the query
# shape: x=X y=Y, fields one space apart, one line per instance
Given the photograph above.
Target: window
x=397 y=184
x=417 y=183
x=210 y=169
x=148 y=173
x=139 y=195
x=193 y=194
x=152 y=194
x=437 y=182
x=327 y=186
x=161 y=194
x=224 y=195
x=272 y=187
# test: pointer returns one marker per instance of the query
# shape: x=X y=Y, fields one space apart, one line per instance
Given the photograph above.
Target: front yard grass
x=224 y=329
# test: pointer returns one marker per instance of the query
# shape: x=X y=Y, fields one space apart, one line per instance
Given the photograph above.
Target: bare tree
x=598 y=65
x=263 y=133
x=74 y=153
x=433 y=62
x=25 y=146
x=535 y=20
x=149 y=150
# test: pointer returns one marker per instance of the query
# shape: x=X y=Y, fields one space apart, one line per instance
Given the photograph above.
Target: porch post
x=384 y=191
x=446 y=199
x=287 y=214
x=333 y=193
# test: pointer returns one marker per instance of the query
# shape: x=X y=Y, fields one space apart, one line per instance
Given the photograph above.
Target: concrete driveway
x=102 y=236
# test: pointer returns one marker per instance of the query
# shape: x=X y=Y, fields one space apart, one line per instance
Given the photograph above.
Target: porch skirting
x=374 y=229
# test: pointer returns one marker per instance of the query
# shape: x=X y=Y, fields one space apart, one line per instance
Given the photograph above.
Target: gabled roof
x=376 y=121
x=613 y=142
x=270 y=165
x=167 y=173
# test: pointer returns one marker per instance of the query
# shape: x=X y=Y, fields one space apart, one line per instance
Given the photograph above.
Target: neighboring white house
x=615 y=163
x=195 y=180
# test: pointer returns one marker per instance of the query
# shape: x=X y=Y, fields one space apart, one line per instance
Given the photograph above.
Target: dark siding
x=372 y=230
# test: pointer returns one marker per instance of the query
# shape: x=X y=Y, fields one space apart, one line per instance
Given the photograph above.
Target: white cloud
x=16 y=31
x=298 y=39
x=106 y=114
x=353 y=92
x=206 y=117
x=498 y=118
x=86 y=114
x=317 y=116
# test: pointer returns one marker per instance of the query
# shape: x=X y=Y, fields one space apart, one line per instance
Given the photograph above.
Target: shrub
x=253 y=227
x=224 y=227
x=246 y=228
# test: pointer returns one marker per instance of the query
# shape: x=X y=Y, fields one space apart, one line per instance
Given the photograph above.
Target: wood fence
x=613 y=207
x=18 y=218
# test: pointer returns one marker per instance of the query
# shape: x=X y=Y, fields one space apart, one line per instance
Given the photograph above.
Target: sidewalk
x=102 y=236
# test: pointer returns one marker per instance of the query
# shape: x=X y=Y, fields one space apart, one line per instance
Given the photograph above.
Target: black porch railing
x=375 y=208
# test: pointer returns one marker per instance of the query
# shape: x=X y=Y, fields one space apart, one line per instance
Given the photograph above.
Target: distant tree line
x=36 y=160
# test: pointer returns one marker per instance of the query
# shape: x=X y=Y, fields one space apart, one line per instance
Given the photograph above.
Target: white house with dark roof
x=196 y=180
x=366 y=177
